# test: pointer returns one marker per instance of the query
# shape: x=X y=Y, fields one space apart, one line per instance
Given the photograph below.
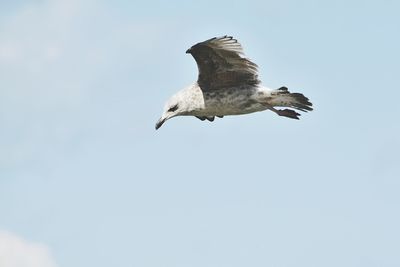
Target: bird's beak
x=160 y=122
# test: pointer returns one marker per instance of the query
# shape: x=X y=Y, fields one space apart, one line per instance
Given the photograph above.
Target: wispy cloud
x=30 y=36
x=18 y=252
x=54 y=56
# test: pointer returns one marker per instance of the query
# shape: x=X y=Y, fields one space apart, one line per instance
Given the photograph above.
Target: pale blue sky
x=83 y=171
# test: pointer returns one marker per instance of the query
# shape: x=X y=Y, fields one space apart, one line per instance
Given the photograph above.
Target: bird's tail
x=283 y=98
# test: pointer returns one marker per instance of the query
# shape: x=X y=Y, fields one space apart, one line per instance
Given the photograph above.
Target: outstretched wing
x=221 y=64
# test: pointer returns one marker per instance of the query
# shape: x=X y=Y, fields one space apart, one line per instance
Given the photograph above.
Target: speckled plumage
x=228 y=84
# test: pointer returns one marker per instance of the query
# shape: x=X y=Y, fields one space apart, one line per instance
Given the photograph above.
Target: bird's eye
x=173 y=108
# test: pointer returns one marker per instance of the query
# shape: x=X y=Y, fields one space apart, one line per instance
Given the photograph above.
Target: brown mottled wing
x=221 y=64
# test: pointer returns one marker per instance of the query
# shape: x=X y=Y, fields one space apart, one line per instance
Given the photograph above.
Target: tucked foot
x=288 y=113
x=205 y=118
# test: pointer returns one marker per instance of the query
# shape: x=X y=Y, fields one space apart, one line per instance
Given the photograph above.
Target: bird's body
x=228 y=85
x=231 y=101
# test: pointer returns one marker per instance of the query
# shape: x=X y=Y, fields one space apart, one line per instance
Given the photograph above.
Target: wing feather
x=221 y=64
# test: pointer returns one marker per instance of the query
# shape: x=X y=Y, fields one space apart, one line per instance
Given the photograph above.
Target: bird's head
x=175 y=106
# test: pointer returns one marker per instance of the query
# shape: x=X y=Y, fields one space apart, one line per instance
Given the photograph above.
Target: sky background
x=85 y=180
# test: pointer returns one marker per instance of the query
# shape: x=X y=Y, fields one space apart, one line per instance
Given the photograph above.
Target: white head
x=177 y=105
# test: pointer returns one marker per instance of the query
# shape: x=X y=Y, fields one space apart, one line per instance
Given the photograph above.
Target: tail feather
x=301 y=102
x=283 y=98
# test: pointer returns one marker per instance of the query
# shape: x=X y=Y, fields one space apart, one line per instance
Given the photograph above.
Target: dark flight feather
x=221 y=65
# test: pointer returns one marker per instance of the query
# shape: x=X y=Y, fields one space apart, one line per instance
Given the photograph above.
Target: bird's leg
x=285 y=112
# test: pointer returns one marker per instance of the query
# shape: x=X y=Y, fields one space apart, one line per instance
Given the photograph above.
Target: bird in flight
x=228 y=84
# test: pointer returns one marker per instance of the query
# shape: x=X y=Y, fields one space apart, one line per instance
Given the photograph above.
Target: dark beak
x=159 y=123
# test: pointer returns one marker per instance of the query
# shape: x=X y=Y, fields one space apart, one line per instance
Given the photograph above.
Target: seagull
x=228 y=84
